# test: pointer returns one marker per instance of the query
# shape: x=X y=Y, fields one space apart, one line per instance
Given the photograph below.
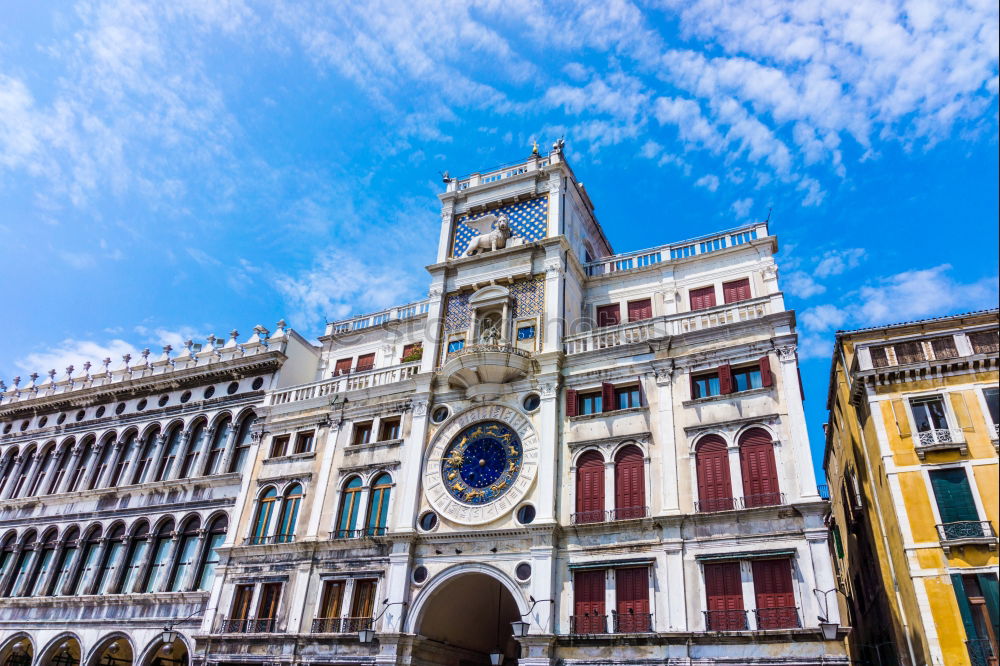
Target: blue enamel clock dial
x=482 y=462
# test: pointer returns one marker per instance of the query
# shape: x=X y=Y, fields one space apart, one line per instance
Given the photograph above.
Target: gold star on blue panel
x=528 y=220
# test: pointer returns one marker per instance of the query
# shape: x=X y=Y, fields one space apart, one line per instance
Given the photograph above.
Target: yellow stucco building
x=911 y=458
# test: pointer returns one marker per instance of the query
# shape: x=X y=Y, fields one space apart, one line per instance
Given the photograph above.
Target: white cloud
x=742 y=207
x=76 y=353
x=802 y=285
x=836 y=262
x=823 y=317
x=709 y=182
x=921 y=293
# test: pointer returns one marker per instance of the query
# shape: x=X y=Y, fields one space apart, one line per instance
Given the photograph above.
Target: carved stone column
x=89 y=480
x=191 y=577
x=36 y=469
x=14 y=475
x=5 y=462
x=229 y=450
x=70 y=469
x=105 y=478
x=175 y=468
x=670 y=448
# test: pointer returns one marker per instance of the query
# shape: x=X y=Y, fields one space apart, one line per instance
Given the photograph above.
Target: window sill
x=616 y=412
x=291 y=457
x=727 y=396
x=385 y=443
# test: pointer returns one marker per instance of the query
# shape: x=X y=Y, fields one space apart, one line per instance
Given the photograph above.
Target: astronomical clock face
x=481 y=464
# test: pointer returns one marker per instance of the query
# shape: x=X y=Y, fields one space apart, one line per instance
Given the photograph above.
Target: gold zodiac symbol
x=452 y=475
x=474 y=494
x=458 y=487
x=455 y=459
x=513 y=451
x=498 y=486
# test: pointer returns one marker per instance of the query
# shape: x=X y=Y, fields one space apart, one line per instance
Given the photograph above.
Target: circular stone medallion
x=481 y=464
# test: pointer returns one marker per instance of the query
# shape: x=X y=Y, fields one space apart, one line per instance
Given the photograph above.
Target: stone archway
x=113 y=651
x=158 y=653
x=64 y=650
x=18 y=651
x=464 y=618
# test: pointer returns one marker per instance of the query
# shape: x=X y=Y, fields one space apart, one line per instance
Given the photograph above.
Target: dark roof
x=918 y=321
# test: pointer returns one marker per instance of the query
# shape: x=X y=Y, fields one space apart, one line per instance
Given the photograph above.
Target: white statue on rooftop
x=488 y=238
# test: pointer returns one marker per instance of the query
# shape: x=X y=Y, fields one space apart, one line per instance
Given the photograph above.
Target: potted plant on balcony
x=414 y=355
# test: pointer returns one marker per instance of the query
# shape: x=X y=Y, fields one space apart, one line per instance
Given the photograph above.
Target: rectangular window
x=526 y=333
x=389 y=429
x=985 y=342
x=737 y=290
x=704 y=386
x=267 y=607
x=412 y=352
x=702 y=298
x=362 y=433
x=366 y=362
x=304 y=442
x=363 y=602
x=590 y=403
x=944 y=347
x=953 y=495
x=724 y=597
x=632 y=600
x=772 y=584
x=242 y=596
x=627 y=398
x=456 y=345
x=747 y=378
x=589 y=612
x=929 y=416
x=332 y=599
x=880 y=359
x=640 y=310
x=978 y=605
x=992 y=396
x=909 y=352
x=342 y=367
x=608 y=315
x=279 y=446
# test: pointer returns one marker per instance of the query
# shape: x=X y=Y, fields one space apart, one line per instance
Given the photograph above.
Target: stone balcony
x=481 y=369
x=940 y=439
x=355 y=381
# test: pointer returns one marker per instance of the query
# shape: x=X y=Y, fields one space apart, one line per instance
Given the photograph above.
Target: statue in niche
x=489 y=330
x=488 y=238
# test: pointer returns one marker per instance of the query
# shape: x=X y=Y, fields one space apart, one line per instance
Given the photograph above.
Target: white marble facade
x=442 y=468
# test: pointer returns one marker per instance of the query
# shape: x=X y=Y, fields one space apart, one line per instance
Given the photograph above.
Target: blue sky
x=182 y=168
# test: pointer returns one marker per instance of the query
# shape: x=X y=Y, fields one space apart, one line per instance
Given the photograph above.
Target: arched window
x=65 y=561
x=241 y=447
x=160 y=561
x=289 y=514
x=44 y=462
x=88 y=562
x=187 y=550
x=23 y=565
x=169 y=454
x=350 y=503
x=630 y=484
x=262 y=522
x=7 y=467
x=127 y=451
x=37 y=580
x=7 y=552
x=760 y=475
x=110 y=561
x=82 y=465
x=210 y=553
x=378 y=506
x=196 y=440
x=715 y=489
x=103 y=461
x=144 y=462
x=217 y=447
x=63 y=460
x=590 y=488
x=134 y=558
x=22 y=473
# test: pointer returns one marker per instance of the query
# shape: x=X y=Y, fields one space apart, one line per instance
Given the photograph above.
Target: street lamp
x=496 y=657
x=367 y=634
x=168 y=635
x=519 y=626
x=829 y=629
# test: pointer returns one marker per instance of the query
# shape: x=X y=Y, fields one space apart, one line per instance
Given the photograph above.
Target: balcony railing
x=732 y=503
x=824 y=491
x=603 y=516
x=358 y=534
x=585 y=517
x=361 y=322
x=631 y=623
x=966 y=532
x=629 y=512
x=779 y=617
x=497 y=348
x=264 y=540
x=676 y=324
x=588 y=624
x=248 y=626
x=726 y=620
x=343 y=383
x=340 y=625
x=981 y=652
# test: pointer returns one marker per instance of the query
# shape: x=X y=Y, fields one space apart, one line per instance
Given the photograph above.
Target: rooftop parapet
x=214 y=351
x=363 y=321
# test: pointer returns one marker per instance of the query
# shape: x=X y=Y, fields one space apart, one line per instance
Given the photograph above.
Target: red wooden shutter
x=724 y=593
x=726 y=379
x=366 y=362
x=608 y=315
x=766 y=379
x=702 y=298
x=342 y=367
x=590 y=488
x=608 y=403
x=772 y=585
x=630 y=484
x=571 y=402
x=639 y=310
x=632 y=600
x=760 y=474
x=737 y=290
x=715 y=489
x=588 y=602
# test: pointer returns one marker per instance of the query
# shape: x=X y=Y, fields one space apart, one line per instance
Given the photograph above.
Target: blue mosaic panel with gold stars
x=457 y=316
x=529 y=297
x=528 y=220
x=482 y=462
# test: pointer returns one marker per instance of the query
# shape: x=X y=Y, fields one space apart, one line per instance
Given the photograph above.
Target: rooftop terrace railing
x=361 y=322
x=344 y=383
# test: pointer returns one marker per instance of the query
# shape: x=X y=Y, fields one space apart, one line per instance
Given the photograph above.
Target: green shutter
x=988 y=584
x=954 y=498
x=963 y=606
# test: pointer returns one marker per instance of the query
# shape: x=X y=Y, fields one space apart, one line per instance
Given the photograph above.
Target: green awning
x=611 y=564
x=745 y=555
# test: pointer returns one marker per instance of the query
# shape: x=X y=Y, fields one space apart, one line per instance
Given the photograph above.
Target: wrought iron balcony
x=967 y=533
x=586 y=517
x=779 y=617
x=629 y=512
x=632 y=623
x=981 y=652
x=715 y=504
x=352 y=625
x=733 y=503
x=588 y=624
x=940 y=439
x=358 y=534
x=248 y=626
x=264 y=540
x=340 y=625
x=726 y=620
x=763 y=499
